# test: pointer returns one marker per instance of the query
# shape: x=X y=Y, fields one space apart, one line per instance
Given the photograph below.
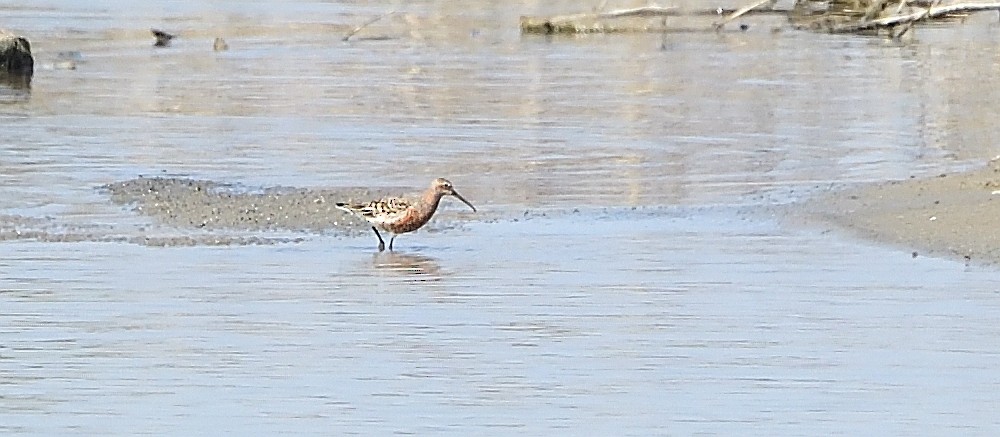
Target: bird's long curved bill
x=459 y=196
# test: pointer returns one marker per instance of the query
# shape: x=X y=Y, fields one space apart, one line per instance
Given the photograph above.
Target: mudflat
x=948 y=215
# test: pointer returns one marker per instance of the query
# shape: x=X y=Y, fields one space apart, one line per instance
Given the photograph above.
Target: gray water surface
x=628 y=272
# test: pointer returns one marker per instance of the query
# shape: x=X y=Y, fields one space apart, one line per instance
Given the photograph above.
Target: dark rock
x=220 y=45
x=162 y=38
x=16 y=63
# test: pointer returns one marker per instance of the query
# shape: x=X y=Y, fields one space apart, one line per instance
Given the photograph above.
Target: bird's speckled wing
x=381 y=211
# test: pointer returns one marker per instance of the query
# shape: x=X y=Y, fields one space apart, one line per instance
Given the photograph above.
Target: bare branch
x=366 y=24
x=739 y=12
x=920 y=14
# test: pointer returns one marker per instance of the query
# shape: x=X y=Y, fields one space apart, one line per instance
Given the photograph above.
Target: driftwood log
x=835 y=16
x=594 y=22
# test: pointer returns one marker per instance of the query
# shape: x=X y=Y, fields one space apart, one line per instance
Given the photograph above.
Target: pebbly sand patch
x=191 y=212
x=203 y=204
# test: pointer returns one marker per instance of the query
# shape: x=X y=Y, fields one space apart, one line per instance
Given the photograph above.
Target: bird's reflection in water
x=414 y=266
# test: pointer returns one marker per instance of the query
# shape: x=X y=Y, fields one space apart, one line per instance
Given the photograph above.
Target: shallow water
x=628 y=272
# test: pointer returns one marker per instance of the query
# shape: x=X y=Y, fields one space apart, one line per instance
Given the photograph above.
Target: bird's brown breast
x=410 y=222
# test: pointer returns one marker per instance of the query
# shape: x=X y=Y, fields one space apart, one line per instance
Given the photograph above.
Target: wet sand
x=951 y=215
x=624 y=274
x=949 y=210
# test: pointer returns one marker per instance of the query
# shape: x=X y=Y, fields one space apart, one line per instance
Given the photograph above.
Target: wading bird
x=397 y=215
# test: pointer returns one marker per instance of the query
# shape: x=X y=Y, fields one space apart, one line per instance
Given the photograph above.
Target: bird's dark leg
x=381 y=243
x=390 y=242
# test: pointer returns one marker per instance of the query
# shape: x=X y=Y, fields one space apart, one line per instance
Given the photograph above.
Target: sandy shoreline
x=951 y=215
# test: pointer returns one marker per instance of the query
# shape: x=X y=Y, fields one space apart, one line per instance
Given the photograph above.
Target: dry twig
x=739 y=12
x=366 y=24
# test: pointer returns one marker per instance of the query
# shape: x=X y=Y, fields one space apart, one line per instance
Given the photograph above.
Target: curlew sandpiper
x=397 y=215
